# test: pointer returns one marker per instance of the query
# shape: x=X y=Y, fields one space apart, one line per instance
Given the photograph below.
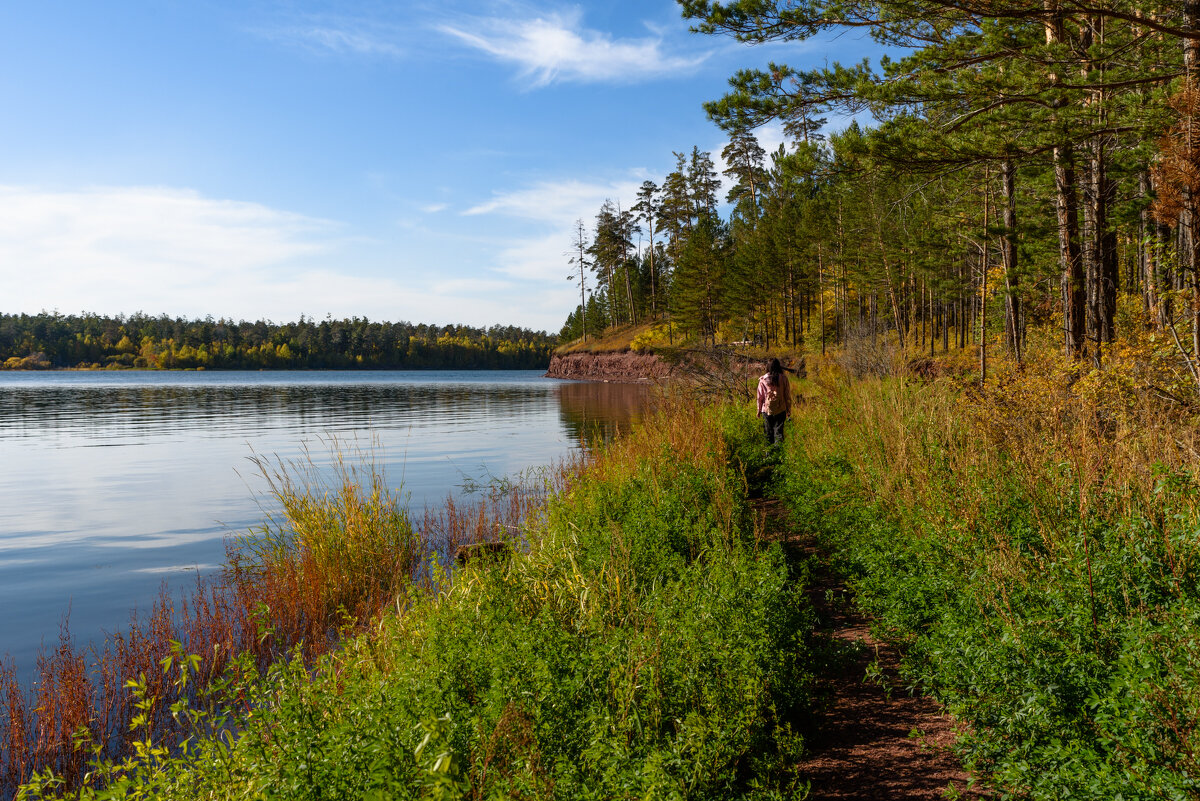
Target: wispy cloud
x=542 y=259
x=339 y=35
x=556 y=47
x=152 y=248
x=557 y=201
x=470 y=287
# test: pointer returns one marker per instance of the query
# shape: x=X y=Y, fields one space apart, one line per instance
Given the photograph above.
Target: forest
x=1019 y=176
x=52 y=340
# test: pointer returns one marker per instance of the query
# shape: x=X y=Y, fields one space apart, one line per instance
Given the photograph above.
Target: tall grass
x=339 y=549
x=1037 y=549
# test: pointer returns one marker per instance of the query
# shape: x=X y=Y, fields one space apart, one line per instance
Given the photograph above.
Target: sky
x=389 y=159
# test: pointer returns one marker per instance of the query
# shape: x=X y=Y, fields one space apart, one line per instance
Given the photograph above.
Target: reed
x=337 y=549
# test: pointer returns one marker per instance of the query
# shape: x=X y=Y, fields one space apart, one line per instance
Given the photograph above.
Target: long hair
x=774 y=370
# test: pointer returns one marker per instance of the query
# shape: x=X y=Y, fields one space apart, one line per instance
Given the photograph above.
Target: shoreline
x=77 y=369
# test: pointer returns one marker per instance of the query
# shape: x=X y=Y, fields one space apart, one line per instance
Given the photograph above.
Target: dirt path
x=875 y=741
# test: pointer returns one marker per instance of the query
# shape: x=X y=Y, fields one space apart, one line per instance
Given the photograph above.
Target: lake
x=112 y=483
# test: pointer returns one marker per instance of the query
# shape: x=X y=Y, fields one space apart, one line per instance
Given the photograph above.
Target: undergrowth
x=641 y=643
x=1037 y=552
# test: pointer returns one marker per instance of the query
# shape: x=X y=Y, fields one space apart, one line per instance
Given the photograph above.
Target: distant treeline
x=44 y=341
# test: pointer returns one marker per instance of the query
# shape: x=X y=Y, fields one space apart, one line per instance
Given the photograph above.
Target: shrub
x=1041 y=572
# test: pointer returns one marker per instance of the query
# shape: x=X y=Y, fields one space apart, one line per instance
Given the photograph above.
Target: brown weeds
x=1075 y=457
x=340 y=550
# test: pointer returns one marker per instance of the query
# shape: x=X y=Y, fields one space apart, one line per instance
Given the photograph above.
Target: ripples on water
x=112 y=483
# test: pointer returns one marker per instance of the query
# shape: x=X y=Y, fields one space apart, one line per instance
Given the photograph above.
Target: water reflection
x=133 y=415
x=110 y=484
x=593 y=411
x=142 y=413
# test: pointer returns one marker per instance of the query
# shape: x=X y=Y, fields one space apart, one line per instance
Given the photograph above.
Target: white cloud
x=76 y=249
x=398 y=298
x=470 y=286
x=553 y=207
x=115 y=250
x=556 y=47
x=556 y=202
x=543 y=259
x=771 y=136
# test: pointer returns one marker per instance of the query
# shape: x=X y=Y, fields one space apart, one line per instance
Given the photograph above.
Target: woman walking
x=774 y=400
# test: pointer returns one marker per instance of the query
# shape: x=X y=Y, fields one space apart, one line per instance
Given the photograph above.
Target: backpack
x=775 y=403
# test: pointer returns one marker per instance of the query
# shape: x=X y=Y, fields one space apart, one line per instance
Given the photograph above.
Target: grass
x=616 y=339
x=638 y=642
x=1038 y=554
x=341 y=551
x=1034 y=547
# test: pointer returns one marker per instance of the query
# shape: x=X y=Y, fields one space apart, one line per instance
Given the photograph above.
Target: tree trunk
x=1074 y=297
x=1147 y=252
x=945 y=328
x=821 y=295
x=1093 y=253
x=1073 y=285
x=653 y=277
x=1100 y=253
x=1190 y=222
x=1008 y=252
x=983 y=281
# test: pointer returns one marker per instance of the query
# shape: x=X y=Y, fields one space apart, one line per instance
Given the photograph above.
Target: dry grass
x=939 y=453
x=340 y=550
x=613 y=340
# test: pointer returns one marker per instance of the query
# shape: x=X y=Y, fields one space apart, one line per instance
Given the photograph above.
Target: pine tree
x=699 y=284
x=746 y=162
x=579 y=249
x=702 y=183
x=647 y=209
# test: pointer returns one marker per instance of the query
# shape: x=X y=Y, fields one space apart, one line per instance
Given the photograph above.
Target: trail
x=874 y=740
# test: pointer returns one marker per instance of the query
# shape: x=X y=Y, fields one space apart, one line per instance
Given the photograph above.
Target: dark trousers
x=773 y=425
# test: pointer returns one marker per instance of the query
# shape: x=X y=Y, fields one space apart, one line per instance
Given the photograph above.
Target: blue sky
x=394 y=160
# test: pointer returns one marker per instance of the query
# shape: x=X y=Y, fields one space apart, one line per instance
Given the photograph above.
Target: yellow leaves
x=655 y=335
x=995 y=277
x=36 y=361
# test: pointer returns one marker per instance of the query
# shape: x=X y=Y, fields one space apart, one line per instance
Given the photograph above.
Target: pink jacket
x=784 y=387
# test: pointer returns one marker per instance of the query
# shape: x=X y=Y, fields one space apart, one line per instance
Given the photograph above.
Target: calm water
x=113 y=483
